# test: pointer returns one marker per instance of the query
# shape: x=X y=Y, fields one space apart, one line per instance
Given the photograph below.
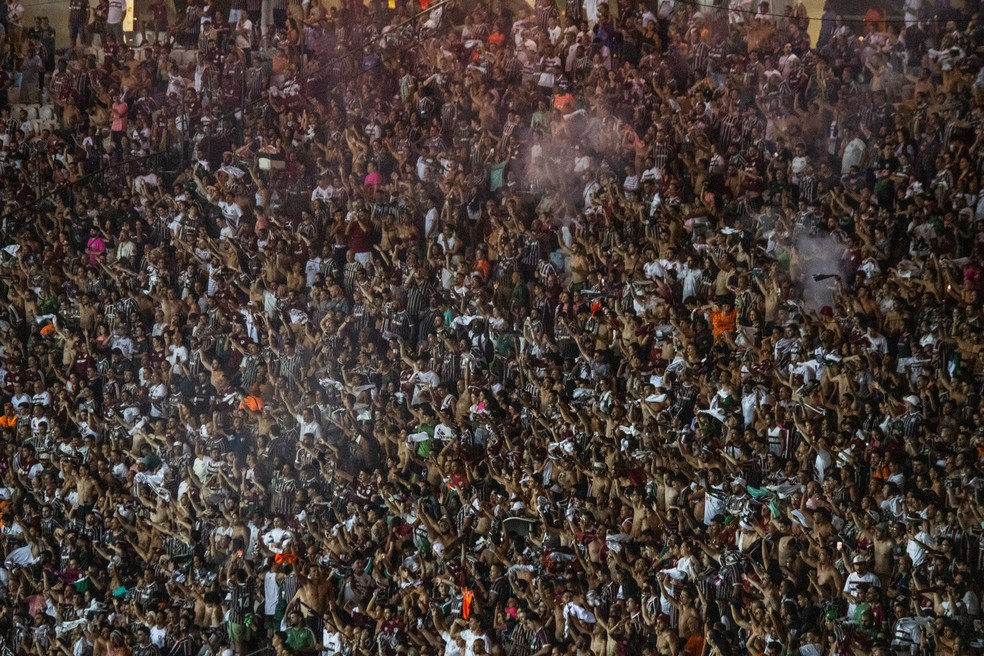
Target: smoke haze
x=819 y=255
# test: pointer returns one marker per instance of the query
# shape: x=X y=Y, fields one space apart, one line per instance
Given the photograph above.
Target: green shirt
x=424 y=446
x=497 y=175
x=300 y=638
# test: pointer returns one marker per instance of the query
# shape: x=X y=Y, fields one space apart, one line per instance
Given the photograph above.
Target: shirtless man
x=886 y=544
x=315 y=593
x=667 y=641
x=826 y=579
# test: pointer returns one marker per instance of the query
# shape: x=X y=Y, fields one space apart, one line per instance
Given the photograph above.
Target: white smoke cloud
x=818 y=255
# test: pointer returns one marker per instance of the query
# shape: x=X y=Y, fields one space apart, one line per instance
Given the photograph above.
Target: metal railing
x=262 y=650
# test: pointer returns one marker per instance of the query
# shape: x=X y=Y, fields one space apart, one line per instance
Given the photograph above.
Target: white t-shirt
x=851 y=585
x=124 y=344
x=305 y=427
x=425 y=380
x=271 y=593
x=242 y=39
x=915 y=551
x=821 y=464
x=116 y=10
x=430 y=222
x=156 y=394
x=311 y=270
x=232 y=213
x=332 y=642
x=158 y=635
x=200 y=466
x=797 y=167
x=853 y=153
x=691 y=279
x=423 y=166
x=450 y=645
x=471 y=638
x=177 y=354
x=877 y=342
x=447 y=243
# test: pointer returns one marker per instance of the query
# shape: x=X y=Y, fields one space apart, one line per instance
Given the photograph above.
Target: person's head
x=860 y=565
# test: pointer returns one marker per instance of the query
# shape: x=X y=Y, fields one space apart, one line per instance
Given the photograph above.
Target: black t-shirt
x=889 y=163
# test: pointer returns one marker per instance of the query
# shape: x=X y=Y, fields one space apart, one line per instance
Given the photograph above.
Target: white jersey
x=271 y=593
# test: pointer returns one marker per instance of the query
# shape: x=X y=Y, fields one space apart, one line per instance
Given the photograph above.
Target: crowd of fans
x=483 y=329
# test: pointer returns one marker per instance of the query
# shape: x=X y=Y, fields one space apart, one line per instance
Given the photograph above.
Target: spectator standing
x=115 y=15
x=32 y=72
x=118 y=127
x=47 y=35
x=278 y=9
x=14 y=24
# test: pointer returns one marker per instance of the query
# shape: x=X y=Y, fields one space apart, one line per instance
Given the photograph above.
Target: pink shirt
x=119 y=116
x=96 y=247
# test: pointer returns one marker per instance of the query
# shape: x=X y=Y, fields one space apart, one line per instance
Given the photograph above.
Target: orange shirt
x=251 y=403
x=564 y=102
x=723 y=322
x=483 y=267
x=8 y=422
x=694 y=646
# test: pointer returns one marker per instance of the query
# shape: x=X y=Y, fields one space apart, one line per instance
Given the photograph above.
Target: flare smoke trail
x=819 y=255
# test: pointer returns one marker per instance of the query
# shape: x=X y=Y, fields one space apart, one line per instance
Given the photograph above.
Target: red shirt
x=360 y=239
